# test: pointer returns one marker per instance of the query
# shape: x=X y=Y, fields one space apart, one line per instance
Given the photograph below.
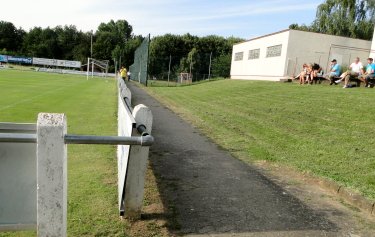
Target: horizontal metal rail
x=18 y=137
x=147 y=140
x=109 y=140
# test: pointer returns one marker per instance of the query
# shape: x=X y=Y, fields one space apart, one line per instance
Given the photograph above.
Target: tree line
x=349 y=18
x=112 y=40
x=116 y=40
x=191 y=54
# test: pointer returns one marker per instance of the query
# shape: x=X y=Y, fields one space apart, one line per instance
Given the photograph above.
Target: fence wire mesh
x=139 y=69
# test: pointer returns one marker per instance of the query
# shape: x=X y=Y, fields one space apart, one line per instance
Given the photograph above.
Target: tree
x=68 y=38
x=113 y=40
x=41 y=43
x=187 y=48
x=11 y=37
x=111 y=36
x=350 y=18
x=221 y=66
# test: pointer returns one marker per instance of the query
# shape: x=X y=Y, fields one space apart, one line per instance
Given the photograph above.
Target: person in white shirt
x=355 y=70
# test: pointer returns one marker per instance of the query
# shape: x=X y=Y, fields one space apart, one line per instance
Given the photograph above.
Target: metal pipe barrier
x=109 y=140
x=144 y=140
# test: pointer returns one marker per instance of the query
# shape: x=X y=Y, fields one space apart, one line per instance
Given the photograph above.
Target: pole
x=114 y=60
x=91 y=42
x=329 y=58
x=88 y=67
x=209 y=68
x=169 y=68
x=190 y=70
x=92 y=68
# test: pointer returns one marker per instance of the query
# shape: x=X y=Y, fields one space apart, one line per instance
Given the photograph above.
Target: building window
x=254 y=54
x=274 y=51
x=238 y=56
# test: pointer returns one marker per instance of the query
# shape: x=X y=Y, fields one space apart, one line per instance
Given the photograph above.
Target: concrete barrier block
x=51 y=175
x=137 y=167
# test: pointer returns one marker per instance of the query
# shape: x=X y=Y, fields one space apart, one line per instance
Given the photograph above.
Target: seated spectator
x=355 y=70
x=303 y=74
x=309 y=74
x=317 y=72
x=335 y=72
x=369 y=74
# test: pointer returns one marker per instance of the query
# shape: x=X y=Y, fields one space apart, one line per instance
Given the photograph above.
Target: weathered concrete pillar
x=137 y=167
x=51 y=175
x=372 y=52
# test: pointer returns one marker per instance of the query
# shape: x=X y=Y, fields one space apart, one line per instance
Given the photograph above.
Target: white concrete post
x=137 y=167
x=51 y=175
x=372 y=52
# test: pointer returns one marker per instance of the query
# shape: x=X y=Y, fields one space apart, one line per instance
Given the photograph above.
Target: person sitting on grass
x=306 y=73
x=355 y=70
x=335 y=72
x=303 y=74
x=317 y=71
x=369 y=74
x=309 y=74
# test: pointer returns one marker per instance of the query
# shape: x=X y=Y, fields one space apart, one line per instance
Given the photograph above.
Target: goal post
x=93 y=63
x=185 y=78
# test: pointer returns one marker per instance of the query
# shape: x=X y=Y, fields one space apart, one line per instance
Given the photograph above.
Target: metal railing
x=145 y=140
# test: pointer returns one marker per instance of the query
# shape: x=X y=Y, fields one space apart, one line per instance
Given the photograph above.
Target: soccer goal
x=185 y=78
x=97 y=67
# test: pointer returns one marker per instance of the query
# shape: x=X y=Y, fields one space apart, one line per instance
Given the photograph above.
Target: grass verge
x=320 y=129
x=91 y=108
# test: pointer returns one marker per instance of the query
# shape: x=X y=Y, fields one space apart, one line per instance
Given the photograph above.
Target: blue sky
x=240 y=18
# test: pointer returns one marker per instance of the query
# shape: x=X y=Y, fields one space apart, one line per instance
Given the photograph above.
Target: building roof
x=286 y=30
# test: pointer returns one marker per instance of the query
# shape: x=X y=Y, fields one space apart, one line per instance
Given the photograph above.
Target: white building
x=281 y=55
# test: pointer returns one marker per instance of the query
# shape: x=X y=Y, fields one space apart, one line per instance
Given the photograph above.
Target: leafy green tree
x=113 y=40
x=221 y=66
x=40 y=42
x=350 y=18
x=180 y=46
x=193 y=59
x=10 y=37
x=69 y=40
x=162 y=47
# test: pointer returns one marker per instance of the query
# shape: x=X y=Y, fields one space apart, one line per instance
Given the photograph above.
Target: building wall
x=263 y=68
x=308 y=47
x=298 y=47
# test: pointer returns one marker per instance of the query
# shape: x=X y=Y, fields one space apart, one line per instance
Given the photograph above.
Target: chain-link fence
x=175 y=70
x=139 y=69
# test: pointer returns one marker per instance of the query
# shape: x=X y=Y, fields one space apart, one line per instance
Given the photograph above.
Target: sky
x=239 y=18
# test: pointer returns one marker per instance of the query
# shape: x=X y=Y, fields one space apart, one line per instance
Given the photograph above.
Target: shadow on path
x=208 y=191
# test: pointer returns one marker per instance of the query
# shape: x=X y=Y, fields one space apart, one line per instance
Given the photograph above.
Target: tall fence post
x=137 y=166
x=51 y=175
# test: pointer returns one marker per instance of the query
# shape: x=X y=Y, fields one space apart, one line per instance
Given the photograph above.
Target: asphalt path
x=210 y=192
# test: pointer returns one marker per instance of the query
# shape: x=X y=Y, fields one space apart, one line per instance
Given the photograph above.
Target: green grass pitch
x=91 y=108
x=323 y=129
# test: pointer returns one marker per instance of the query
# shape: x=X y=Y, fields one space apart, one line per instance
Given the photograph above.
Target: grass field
x=321 y=129
x=173 y=83
x=91 y=108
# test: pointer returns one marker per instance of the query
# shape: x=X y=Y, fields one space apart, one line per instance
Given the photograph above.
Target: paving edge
x=349 y=196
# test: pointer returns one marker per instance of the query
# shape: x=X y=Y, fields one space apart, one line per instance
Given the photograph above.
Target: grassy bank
x=320 y=129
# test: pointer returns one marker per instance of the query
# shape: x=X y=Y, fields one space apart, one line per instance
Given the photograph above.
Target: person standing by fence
x=123 y=73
